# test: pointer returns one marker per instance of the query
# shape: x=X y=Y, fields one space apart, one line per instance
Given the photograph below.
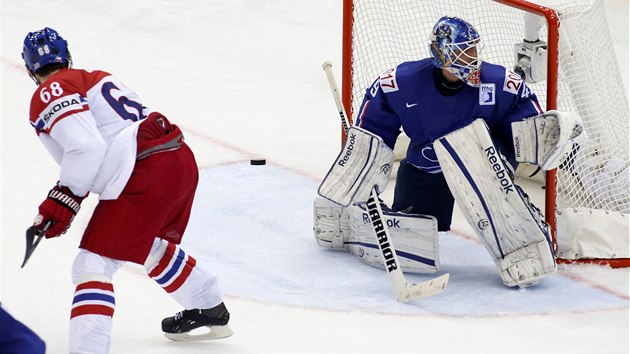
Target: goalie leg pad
x=414 y=236
x=364 y=162
x=510 y=227
x=527 y=264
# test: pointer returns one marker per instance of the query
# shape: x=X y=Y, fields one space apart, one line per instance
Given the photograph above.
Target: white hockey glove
x=545 y=140
x=364 y=162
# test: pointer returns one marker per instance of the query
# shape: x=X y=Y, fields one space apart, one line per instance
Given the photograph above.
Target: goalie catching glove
x=364 y=162
x=60 y=207
x=545 y=140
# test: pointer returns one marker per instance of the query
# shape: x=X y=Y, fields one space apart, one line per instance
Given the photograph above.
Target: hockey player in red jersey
x=108 y=143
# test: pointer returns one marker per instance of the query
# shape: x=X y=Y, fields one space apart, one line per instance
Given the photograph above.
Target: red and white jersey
x=88 y=121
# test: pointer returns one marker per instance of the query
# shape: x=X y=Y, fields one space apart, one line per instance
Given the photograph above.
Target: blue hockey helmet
x=454 y=48
x=45 y=47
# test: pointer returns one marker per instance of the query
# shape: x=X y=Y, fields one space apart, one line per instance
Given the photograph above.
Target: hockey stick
x=405 y=291
x=31 y=242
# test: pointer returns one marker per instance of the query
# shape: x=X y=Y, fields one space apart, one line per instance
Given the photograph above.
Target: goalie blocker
x=341 y=219
x=363 y=163
x=415 y=236
x=509 y=226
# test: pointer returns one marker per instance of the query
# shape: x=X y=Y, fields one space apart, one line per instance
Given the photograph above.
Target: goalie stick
x=32 y=242
x=404 y=290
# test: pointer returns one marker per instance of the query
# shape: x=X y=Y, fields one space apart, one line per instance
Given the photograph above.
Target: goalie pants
x=425 y=193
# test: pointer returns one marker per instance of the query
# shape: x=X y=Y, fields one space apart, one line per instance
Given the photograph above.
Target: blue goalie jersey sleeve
x=406 y=98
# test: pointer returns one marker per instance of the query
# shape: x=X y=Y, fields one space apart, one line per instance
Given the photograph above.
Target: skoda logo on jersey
x=58 y=108
x=487 y=94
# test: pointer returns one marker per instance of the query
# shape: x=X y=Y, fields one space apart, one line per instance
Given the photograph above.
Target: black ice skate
x=181 y=326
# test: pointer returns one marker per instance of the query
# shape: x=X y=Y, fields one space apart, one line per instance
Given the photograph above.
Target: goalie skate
x=196 y=324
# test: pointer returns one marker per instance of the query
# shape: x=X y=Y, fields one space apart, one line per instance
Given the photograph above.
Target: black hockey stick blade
x=33 y=236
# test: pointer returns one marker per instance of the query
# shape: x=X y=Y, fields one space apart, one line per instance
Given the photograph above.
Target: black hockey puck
x=257 y=162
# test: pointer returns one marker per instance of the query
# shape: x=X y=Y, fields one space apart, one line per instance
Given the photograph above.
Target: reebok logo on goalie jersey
x=500 y=172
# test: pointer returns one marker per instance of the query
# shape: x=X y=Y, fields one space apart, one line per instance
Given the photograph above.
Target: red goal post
x=369 y=48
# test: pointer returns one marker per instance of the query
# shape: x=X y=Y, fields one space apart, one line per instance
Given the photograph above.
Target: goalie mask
x=44 y=47
x=454 y=48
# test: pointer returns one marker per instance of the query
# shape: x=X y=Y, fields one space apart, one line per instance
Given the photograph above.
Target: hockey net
x=588 y=198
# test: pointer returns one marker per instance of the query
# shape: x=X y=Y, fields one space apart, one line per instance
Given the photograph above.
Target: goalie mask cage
x=587 y=199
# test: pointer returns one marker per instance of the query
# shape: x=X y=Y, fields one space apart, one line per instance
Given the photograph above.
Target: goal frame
x=553 y=25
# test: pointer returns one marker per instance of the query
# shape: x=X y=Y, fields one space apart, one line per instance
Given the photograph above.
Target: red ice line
x=250 y=155
x=459 y=233
x=564 y=273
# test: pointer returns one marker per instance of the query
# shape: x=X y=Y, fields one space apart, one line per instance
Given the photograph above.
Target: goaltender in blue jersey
x=417 y=96
x=435 y=96
x=470 y=122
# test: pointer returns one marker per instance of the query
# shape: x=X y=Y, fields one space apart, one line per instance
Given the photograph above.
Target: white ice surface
x=243 y=79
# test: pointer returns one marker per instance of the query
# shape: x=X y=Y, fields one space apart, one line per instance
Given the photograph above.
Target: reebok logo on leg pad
x=497 y=166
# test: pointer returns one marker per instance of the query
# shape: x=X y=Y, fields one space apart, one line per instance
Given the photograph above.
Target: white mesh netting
x=388 y=32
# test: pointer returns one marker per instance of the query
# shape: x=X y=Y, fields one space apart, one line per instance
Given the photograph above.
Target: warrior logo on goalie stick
x=381 y=236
